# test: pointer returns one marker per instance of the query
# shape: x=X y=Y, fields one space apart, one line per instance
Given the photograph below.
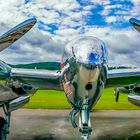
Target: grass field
x=135 y=136
x=50 y=99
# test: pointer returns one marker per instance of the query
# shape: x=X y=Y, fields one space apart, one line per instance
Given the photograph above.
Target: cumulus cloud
x=111 y=19
x=123 y=45
x=34 y=47
x=62 y=20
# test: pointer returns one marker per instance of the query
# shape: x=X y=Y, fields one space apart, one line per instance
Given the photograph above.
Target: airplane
x=83 y=76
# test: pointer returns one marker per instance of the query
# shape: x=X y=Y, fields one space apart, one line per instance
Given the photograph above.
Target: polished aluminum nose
x=93 y=61
x=89 y=75
x=94 y=58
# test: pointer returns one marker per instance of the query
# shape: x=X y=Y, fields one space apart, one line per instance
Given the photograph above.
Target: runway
x=37 y=124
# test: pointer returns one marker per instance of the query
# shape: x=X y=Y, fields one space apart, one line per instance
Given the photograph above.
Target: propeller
x=116 y=93
x=15 y=33
x=135 y=23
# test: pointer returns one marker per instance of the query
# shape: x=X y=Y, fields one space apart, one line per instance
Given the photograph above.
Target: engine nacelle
x=20 y=88
x=133 y=92
x=18 y=103
x=129 y=89
x=134 y=99
x=6 y=93
x=134 y=96
x=10 y=90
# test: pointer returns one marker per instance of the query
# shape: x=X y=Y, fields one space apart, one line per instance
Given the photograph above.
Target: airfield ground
x=49 y=121
x=38 y=124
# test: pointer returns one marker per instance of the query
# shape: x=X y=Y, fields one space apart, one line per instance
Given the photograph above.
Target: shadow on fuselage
x=106 y=137
x=46 y=137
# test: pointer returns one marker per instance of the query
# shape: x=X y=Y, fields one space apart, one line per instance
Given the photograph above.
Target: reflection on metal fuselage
x=81 y=85
x=83 y=78
x=134 y=98
x=85 y=60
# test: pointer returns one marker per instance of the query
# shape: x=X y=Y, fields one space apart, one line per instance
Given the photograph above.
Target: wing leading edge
x=40 y=79
x=122 y=77
x=135 y=23
x=15 y=33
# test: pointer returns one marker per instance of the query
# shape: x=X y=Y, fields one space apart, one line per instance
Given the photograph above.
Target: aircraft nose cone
x=93 y=59
x=89 y=75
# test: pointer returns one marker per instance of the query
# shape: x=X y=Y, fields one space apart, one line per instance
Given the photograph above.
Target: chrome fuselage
x=84 y=70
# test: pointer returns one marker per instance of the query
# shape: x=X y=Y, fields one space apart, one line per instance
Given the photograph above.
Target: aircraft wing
x=122 y=77
x=125 y=76
x=50 y=79
x=15 y=33
x=135 y=23
x=37 y=78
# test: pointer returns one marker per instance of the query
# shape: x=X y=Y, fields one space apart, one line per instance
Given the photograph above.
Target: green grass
x=135 y=136
x=50 y=99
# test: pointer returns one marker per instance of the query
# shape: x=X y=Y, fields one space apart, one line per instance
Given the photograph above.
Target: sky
x=59 y=21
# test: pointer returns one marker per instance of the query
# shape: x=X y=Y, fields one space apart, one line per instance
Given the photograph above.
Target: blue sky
x=59 y=21
x=117 y=10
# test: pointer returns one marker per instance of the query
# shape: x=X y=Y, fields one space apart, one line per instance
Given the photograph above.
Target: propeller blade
x=15 y=33
x=135 y=23
x=116 y=93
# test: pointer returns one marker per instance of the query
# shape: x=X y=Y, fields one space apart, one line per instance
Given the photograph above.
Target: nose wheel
x=84 y=120
x=2 y=126
x=5 y=123
x=84 y=124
